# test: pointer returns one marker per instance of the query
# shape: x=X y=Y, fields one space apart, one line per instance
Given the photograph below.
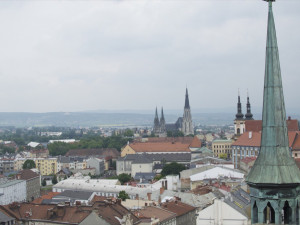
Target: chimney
x=250 y=134
x=161 y=190
x=149 y=196
x=289 y=118
x=137 y=197
x=159 y=200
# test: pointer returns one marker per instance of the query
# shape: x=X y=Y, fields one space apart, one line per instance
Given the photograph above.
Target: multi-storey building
x=33 y=182
x=46 y=166
x=12 y=191
x=222 y=147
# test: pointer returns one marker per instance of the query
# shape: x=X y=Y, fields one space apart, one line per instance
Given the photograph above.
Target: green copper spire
x=274 y=164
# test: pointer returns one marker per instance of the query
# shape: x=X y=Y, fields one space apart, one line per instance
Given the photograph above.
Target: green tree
x=54 y=180
x=128 y=133
x=223 y=156
x=123 y=178
x=175 y=133
x=123 y=195
x=172 y=168
x=29 y=164
x=44 y=183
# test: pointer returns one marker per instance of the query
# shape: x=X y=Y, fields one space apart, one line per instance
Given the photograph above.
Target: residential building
x=221 y=213
x=96 y=163
x=97 y=152
x=39 y=153
x=74 y=197
x=248 y=145
x=185 y=214
x=6 y=165
x=222 y=147
x=33 y=181
x=46 y=166
x=164 y=216
x=18 y=163
x=12 y=191
x=155 y=148
x=6 y=219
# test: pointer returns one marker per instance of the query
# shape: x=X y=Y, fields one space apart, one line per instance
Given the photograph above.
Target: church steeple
x=156 y=127
x=162 y=122
x=274 y=179
x=239 y=115
x=187 y=102
x=248 y=115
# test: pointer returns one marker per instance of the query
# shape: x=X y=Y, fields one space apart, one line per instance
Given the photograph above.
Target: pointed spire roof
x=248 y=115
x=162 y=117
x=187 y=102
x=274 y=164
x=156 y=120
x=239 y=115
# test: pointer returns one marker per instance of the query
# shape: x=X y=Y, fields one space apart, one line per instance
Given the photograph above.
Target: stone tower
x=274 y=179
x=162 y=122
x=248 y=115
x=239 y=122
x=156 y=127
x=187 y=123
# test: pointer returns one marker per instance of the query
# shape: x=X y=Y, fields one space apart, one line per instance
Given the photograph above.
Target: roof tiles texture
x=160 y=147
x=114 y=153
x=156 y=212
x=177 y=207
x=256 y=125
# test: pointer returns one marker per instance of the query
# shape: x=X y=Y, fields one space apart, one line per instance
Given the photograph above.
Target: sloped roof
x=177 y=207
x=296 y=144
x=214 y=173
x=160 y=147
x=159 y=213
x=94 y=152
x=27 y=174
x=256 y=125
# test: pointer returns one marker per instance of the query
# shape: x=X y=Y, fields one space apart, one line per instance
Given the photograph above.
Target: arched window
x=269 y=214
x=238 y=131
x=287 y=213
x=255 y=214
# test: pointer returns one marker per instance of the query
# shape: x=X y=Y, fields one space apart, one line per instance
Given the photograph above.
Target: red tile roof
x=256 y=125
x=50 y=195
x=160 y=147
x=114 y=153
x=248 y=159
x=151 y=211
x=27 y=175
x=296 y=144
x=255 y=140
x=177 y=207
x=194 y=142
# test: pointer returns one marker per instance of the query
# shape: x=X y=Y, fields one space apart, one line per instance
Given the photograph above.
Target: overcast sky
x=115 y=55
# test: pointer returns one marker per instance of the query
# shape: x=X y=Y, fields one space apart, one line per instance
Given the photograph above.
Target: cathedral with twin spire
x=183 y=124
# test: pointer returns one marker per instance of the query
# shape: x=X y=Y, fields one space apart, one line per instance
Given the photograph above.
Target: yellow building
x=46 y=166
x=222 y=147
x=18 y=164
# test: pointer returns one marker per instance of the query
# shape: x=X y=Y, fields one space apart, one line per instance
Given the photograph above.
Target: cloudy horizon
x=135 y=55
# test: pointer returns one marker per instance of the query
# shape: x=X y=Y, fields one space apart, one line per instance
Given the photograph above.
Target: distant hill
x=89 y=119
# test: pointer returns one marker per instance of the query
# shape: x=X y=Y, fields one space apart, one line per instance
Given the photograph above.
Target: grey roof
x=7 y=183
x=63 y=159
x=4 y=218
x=144 y=176
x=82 y=195
x=141 y=159
x=274 y=164
x=171 y=127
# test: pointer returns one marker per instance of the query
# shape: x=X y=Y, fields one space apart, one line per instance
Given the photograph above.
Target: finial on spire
x=247 y=93
x=238 y=92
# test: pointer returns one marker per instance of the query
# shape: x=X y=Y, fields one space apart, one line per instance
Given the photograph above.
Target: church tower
x=187 y=123
x=162 y=122
x=156 y=127
x=248 y=115
x=239 y=122
x=274 y=179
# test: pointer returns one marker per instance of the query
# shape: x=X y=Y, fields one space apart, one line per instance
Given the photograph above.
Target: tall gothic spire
x=274 y=164
x=162 y=122
x=239 y=115
x=187 y=102
x=248 y=115
x=156 y=120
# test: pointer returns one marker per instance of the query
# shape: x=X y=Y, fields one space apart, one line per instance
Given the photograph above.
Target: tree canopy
x=173 y=168
x=123 y=178
x=29 y=164
x=123 y=195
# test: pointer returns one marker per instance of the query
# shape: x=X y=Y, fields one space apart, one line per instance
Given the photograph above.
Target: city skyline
x=128 y=55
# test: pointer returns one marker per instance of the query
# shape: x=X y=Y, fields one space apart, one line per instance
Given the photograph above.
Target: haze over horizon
x=71 y=56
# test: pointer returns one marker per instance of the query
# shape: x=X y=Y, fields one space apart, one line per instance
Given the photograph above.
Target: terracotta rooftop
x=114 y=153
x=98 y=198
x=254 y=141
x=194 y=142
x=50 y=195
x=27 y=175
x=177 y=207
x=296 y=144
x=160 y=213
x=160 y=147
x=248 y=159
x=256 y=125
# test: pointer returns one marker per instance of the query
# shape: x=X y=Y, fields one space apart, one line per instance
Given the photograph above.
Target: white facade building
x=221 y=213
x=12 y=191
